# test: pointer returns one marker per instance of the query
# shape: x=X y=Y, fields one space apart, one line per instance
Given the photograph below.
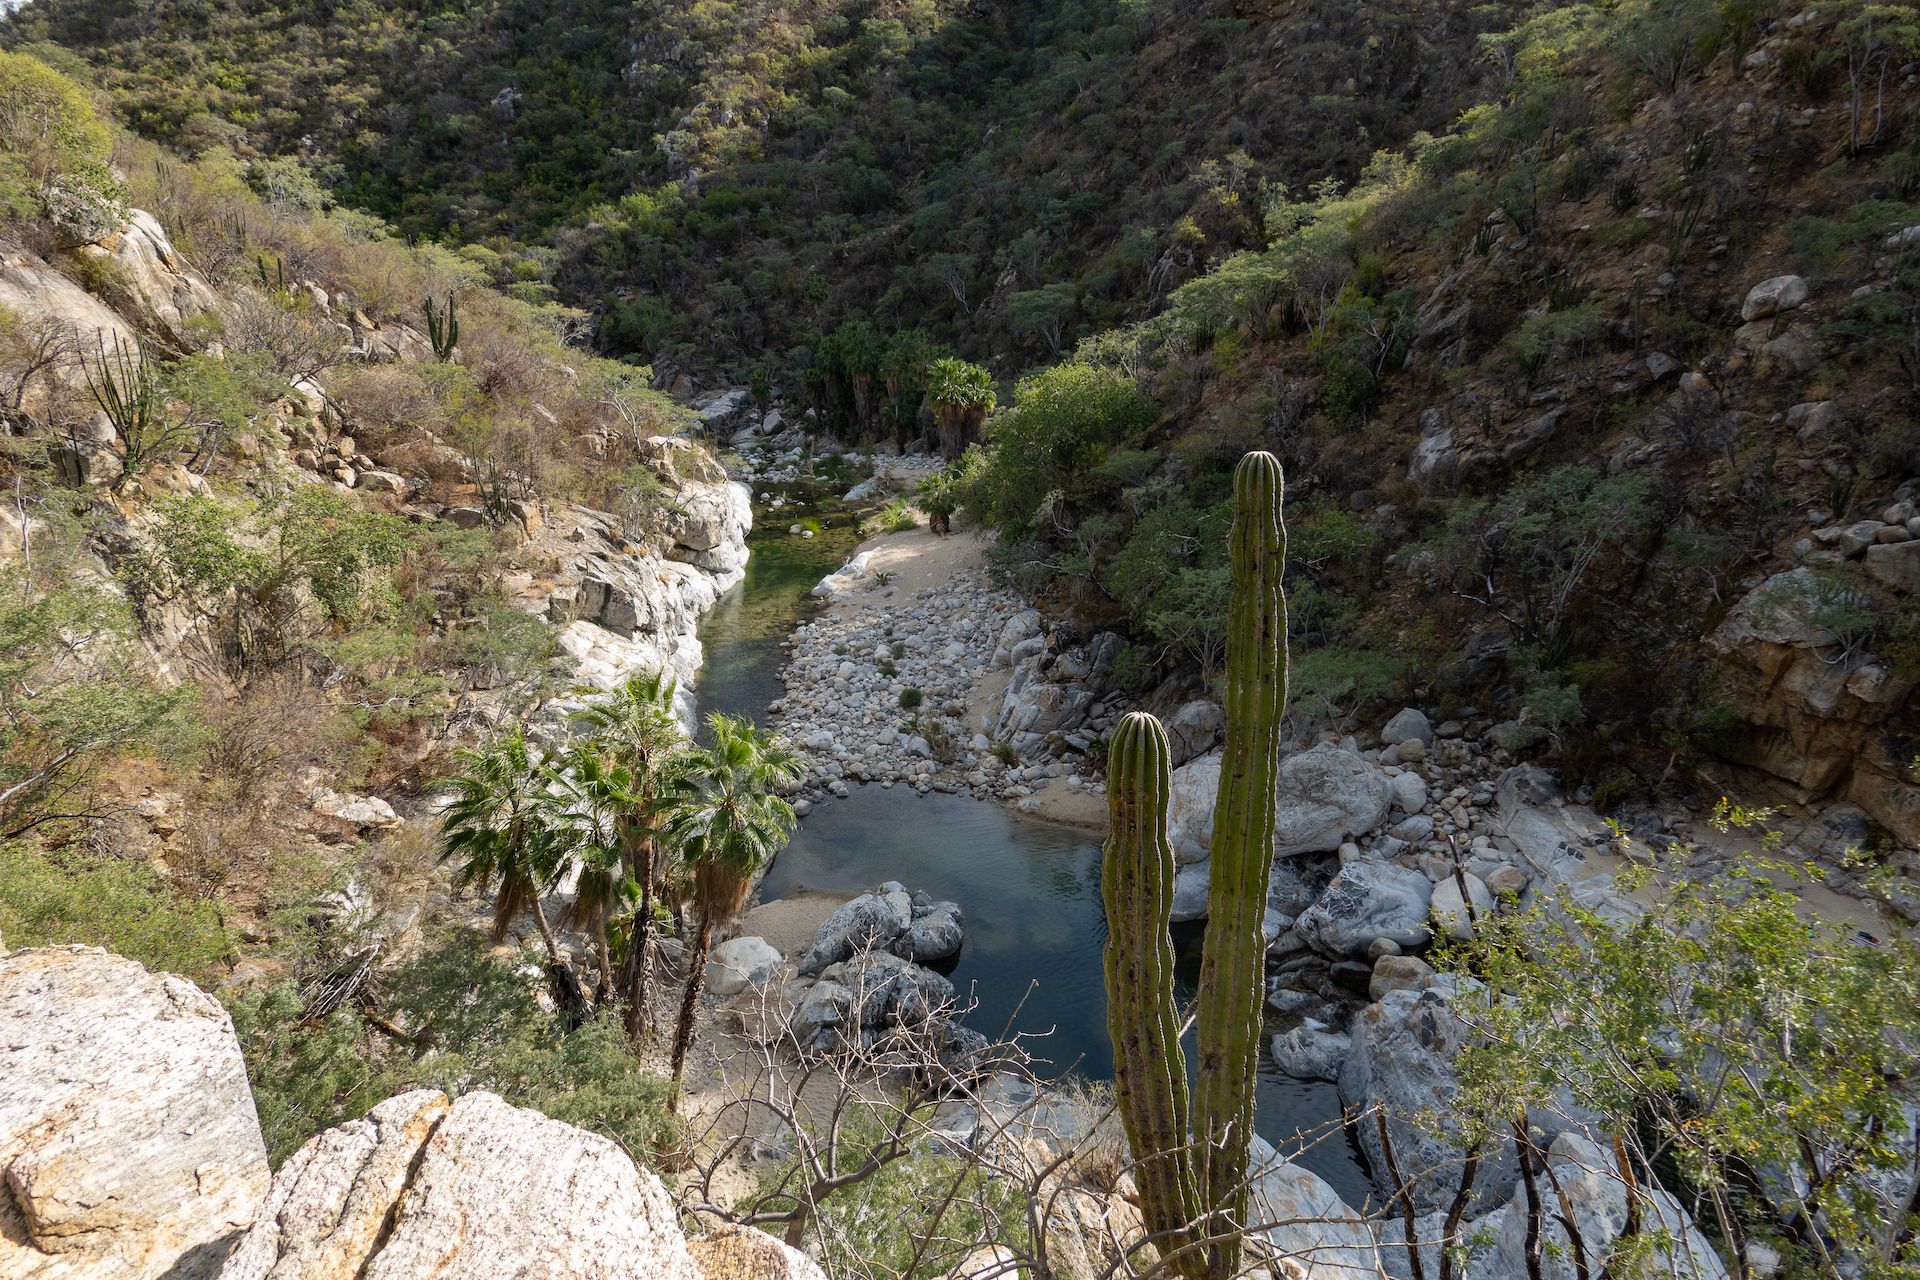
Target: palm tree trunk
x=546 y=930
x=640 y=954
x=603 y=990
x=696 y=978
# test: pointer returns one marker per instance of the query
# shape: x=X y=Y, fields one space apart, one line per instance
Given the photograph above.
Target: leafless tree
x=951 y=1146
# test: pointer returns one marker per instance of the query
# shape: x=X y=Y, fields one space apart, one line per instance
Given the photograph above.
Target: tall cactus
x=1231 y=967
x=1150 y=1073
x=443 y=328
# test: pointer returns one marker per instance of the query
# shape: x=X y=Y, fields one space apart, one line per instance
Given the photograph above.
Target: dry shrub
x=384 y=404
x=261 y=738
x=299 y=345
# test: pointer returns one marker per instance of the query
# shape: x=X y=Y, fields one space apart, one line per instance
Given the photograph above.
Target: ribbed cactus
x=1232 y=968
x=1232 y=962
x=1150 y=1073
x=443 y=328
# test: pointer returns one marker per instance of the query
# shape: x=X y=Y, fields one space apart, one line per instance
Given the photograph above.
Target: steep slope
x=721 y=180
x=1558 y=390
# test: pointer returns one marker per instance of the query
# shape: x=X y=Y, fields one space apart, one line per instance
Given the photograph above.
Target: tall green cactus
x=443 y=328
x=1150 y=1073
x=1232 y=969
x=1232 y=962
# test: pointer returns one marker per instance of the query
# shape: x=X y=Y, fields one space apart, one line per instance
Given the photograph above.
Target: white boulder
x=129 y=1145
x=739 y=963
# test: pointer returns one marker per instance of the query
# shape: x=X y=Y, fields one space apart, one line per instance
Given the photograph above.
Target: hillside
x=721 y=183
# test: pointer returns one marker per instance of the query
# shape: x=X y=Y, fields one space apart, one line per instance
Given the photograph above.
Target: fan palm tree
x=495 y=830
x=586 y=795
x=634 y=724
x=727 y=823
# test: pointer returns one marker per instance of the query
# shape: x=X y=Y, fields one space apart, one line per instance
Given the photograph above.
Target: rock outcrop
x=1816 y=718
x=624 y=608
x=1325 y=796
x=129 y=1147
x=473 y=1187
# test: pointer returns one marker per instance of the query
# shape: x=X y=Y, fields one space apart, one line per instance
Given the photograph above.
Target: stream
x=1029 y=889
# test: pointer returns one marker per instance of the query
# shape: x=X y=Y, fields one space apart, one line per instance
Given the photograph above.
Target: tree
x=634 y=724
x=1045 y=312
x=51 y=142
x=1064 y=422
x=494 y=830
x=585 y=797
x=72 y=693
x=727 y=823
x=962 y=396
x=1875 y=38
x=1721 y=1034
x=1536 y=545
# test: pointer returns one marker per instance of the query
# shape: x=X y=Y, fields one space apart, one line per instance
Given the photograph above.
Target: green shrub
x=1544 y=340
x=117 y=903
x=50 y=139
x=911 y=698
x=476 y=1024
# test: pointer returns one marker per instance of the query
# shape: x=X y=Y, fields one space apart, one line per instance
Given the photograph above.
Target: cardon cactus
x=1231 y=967
x=1150 y=1073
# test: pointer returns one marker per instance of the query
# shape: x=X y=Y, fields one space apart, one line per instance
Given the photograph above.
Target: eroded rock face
x=1401 y=1060
x=1598 y=1197
x=158 y=278
x=472 y=1188
x=129 y=1146
x=1814 y=719
x=1368 y=899
x=1319 y=1236
x=741 y=1253
x=32 y=289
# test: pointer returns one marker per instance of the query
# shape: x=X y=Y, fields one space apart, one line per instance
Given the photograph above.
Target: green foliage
x=1718 y=1031
x=960 y=384
x=911 y=698
x=116 y=903
x=1543 y=341
x=1063 y=423
x=1329 y=683
x=74 y=692
x=55 y=152
x=895 y=517
x=253 y=569
x=1541 y=540
x=1820 y=245
x=476 y=1024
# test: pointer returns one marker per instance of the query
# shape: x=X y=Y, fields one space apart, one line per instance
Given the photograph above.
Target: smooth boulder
x=1322 y=797
x=739 y=963
x=862 y=924
x=1368 y=899
x=470 y=1188
x=129 y=1144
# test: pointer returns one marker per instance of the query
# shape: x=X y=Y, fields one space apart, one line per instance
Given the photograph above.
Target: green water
x=741 y=636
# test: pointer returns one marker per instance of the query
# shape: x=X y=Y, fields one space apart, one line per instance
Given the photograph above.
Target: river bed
x=1029 y=888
